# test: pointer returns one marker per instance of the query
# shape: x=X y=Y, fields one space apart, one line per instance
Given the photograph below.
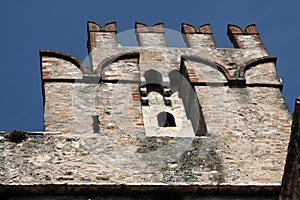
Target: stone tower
x=199 y=119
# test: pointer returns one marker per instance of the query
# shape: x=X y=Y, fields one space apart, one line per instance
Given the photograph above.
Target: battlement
x=101 y=36
x=249 y=51
x=143 y=28
x=109 y=27
x=248 y=56
x=199 y=117
x=151 y=36
x=202 y=37
x=245 y=39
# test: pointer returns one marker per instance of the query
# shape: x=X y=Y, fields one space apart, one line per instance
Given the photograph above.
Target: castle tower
x=199 y=119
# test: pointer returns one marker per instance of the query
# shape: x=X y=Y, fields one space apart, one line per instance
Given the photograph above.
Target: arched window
x=166 y=119
x=153 y=77
x=154 y=81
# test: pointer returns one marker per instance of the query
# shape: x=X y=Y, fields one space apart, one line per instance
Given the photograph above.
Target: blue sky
x=28 y=26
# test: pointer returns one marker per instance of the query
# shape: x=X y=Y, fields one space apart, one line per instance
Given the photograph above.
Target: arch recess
x=166 y=119
x=113 y=58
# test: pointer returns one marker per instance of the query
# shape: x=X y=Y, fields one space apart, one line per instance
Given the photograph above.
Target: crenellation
x=143 y=28
x=201 y=38
x=101 y=37
x=151 y=36
x=202 y=117
x=245 y=39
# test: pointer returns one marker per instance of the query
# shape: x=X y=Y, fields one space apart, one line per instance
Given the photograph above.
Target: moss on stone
x=16 y=136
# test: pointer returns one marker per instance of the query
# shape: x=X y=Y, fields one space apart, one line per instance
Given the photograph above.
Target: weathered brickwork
x=201 y=38
x=249 y=141
x=58 y=68
x=226 y=123
x=151 y=36
x=58 y=117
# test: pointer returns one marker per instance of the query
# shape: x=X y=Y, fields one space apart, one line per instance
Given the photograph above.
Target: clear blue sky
x=28 y=26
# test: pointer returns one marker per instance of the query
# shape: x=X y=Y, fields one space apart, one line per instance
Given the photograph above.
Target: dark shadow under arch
x=153 y=77
x=154 y=81
x=175 y=80
x=186 y=92
x=166 y=119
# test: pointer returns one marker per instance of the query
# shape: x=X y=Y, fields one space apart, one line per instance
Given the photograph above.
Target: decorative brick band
x=59 y=55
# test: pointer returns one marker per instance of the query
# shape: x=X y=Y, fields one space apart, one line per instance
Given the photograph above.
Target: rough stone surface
x=59 y=68
x=232 y=124
x=290 y=188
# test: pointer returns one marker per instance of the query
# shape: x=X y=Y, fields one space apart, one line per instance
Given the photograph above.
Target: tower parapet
x=202 y=37
x=151 y=36
x=201 y=115
x=98 y=36
x=245 y=39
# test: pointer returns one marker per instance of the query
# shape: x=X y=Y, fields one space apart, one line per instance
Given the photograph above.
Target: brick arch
x=64 y=56
x=209 y=63
x=114 y=58
x=254 y=62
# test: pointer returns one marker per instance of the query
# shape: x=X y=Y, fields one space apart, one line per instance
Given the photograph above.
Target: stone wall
x=201 y=38
x=232 y=127
x=237 y=103
x=151 y=36
x=290 y=188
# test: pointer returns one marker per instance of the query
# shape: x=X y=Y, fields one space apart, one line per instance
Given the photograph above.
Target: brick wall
x=233 y=131
x=290 y=188
x=237 y=103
